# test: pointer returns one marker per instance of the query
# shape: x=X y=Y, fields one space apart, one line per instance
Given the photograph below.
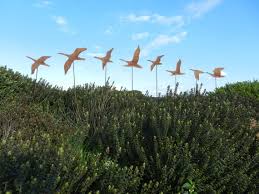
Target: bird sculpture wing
x=31 y=58
x=219 y=69
x=109 y=53
x=136 y=55
x=211 y=74
x=44 y=58
x=79 y=50
x=67 y=55
x=103 y=59
x=159 y=58
x=172 y=72
x=137 y=65
x=68 y=65
x=178 y=66
x=124 y=60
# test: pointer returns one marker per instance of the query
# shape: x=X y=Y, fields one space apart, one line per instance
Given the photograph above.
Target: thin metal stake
x=175 y=82
x=74 y=75
x=132 y=78
x=156 y=80
x=105 y=75
x=36 y=74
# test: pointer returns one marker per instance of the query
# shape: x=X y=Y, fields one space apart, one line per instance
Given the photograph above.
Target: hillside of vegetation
x=99 y=140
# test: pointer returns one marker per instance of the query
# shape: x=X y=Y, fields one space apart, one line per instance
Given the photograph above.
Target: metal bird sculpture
x=177 y=71
x=106 y=59
x=217 y=73
x=71 y=58
x=133 y=63
x=155 y=63
x=197 y=74
x=37 y=63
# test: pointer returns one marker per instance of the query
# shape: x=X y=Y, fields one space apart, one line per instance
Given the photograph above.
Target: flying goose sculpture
x=71 y=58
x=133 y=63
x=155 y=63
x=106 y=59
x=177 y=71
x=37 y=63
x=217 y=73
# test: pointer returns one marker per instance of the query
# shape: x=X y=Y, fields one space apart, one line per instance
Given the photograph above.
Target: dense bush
x=247 y=89
x=102 y=140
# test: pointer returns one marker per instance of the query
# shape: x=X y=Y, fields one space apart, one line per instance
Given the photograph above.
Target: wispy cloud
x=60 y=21
x=140 y=36
x=43 y=3
x=62 y=24
x=108 y=30
x=136 y=18
x=166 y=20
x=163 y=40
x=171 y=24
x=199 y=8
x=154 y=18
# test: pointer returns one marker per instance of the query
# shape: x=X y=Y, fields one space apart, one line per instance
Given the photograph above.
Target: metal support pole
x=156 y=80
x=132 y=78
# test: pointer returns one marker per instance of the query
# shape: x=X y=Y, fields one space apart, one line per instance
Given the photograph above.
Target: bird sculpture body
x=197 y=73
x=177 y=71
x=217 y=73
x=72 y=57
x=38 y=62
x=156 y=62
x=134 y=61
x=106 y=59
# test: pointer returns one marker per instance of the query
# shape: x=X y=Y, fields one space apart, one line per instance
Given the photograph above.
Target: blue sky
x=203 y=33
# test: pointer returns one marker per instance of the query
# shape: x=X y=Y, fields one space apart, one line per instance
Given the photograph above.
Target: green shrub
x=97 y=139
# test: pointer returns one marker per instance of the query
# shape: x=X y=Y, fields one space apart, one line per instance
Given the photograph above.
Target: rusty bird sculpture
x=177 y=71
x=133 y=63
x=106 y=59
x=197 y=74
x=217 y=73
x=37 y=63
x=155 y=63
x=71 y=58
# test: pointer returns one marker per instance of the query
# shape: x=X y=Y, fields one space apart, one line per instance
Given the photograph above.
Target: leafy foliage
x=101 y=140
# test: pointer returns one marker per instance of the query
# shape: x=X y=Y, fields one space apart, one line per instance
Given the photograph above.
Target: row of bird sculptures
x=217 y=72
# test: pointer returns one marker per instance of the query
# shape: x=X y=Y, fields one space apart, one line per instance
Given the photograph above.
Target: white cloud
x=60 y=21
x=135 y=18
x=174 y=20
x=62 y=24
x=44 y=3
x=163 y=40
x=108 y=30
x=201 y=7
x=140 y=36
x=154 y=18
